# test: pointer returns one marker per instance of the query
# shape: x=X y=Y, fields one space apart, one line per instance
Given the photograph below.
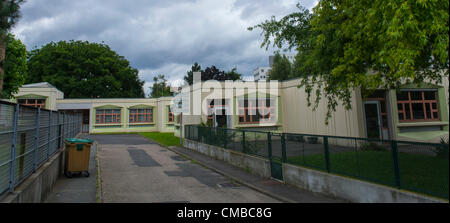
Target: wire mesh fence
x=414 y=166
x=28 y=137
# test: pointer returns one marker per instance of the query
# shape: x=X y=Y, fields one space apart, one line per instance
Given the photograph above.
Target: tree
x=190 y=74
x=281 y=68
x=366 y=44
x=160 y=87
x=212 y=73
x=233 y=74
x=84 y=70
x=15 y=66
x=9 y=14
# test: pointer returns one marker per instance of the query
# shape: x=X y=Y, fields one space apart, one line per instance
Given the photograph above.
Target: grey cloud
x=160 y=36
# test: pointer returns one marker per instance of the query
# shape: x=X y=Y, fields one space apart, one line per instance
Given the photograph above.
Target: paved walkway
x=270 y=187
x=78 y=189
x=138 y=170
x=134 y=169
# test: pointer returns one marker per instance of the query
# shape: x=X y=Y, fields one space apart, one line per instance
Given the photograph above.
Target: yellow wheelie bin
x=77 y=156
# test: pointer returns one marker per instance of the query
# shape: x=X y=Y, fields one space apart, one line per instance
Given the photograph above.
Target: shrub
x=372 y=147
x=442 y=151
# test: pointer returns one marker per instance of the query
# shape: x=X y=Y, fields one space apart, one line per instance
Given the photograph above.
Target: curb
x=99 y=193
x=240 y=181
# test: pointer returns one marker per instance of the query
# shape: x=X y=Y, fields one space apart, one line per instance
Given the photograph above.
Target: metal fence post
x=225 y=138
x=269 y=145
x=13 y=148
x=36 y=139
x=243 y=141
x=58 y=129
x=327 y=153
x=283 y=147
x=396 y=166
x=49 y=133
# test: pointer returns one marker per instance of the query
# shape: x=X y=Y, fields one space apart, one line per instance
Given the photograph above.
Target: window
x=141 y=115
x=253 y=111
x=37 y=103
x=107 y=116
x=170 y=114
x=215 y=103
x=417 y=106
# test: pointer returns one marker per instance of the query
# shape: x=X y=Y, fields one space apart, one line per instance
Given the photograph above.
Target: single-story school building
x=413 y=113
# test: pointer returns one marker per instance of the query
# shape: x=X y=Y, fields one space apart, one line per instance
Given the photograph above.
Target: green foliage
x=372 y=147
x=442 y=151
x=281 y=68
x=369 y=44
x=190 y=74
x=84 y=70
x=15 y=66
x=212 y=73
x=9 y=14
x=160 y=87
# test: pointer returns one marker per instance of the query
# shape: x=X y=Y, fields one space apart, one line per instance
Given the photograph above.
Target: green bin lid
x=75 y=140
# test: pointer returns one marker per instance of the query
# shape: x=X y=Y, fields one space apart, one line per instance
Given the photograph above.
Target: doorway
x=372 y=120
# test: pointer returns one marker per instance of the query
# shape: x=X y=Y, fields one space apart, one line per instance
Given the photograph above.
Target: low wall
x=349 y=189
x=331 y=185
x=253 y=164
x=37 y=186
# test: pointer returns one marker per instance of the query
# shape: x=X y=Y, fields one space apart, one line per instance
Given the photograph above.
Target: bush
x=372 y=147
x=442 y=151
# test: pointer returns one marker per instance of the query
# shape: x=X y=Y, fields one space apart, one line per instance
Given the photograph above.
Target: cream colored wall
x=159 y=115
x=163 y=124
x=51 y=95
x=299 y=118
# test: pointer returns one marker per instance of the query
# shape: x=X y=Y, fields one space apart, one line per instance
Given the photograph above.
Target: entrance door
x=372 y=119
x=85 y=124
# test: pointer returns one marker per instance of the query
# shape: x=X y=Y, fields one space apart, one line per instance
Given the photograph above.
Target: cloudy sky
x=160 y=36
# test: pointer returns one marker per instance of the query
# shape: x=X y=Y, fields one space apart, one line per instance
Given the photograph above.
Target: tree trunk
x=2 y=60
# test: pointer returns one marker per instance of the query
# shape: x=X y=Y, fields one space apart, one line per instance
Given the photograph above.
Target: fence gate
x=276 y=144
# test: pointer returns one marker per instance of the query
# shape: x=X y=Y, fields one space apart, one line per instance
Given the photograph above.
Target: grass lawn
x=167 y=139
x=420 y=173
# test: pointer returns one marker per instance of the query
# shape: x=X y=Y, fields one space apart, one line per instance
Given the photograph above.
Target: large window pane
x=430 y=95
x=416 y=95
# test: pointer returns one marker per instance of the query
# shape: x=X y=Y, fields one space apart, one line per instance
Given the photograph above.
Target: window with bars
x=37 y=103
x=107 y=116
x=170 y=114
x=144 y=115
x=417 y=106
x=254 y=111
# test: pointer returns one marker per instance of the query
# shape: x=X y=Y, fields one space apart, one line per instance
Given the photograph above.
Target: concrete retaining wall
x=316 y=181
x=349 y=189
x=36 y=187
x=253 y=164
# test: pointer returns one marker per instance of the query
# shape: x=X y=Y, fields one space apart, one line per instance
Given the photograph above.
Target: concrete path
x=134 y=169
x=78 y=189
x=270 y=187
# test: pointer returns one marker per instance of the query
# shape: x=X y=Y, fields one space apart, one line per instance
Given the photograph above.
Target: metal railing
x=28 y=138
x=414 y=166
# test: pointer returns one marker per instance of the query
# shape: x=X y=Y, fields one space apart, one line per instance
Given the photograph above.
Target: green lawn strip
x=166 y=139
x=420 y=173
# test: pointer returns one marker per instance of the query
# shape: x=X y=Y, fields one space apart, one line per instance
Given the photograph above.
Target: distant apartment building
x=261 y=73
